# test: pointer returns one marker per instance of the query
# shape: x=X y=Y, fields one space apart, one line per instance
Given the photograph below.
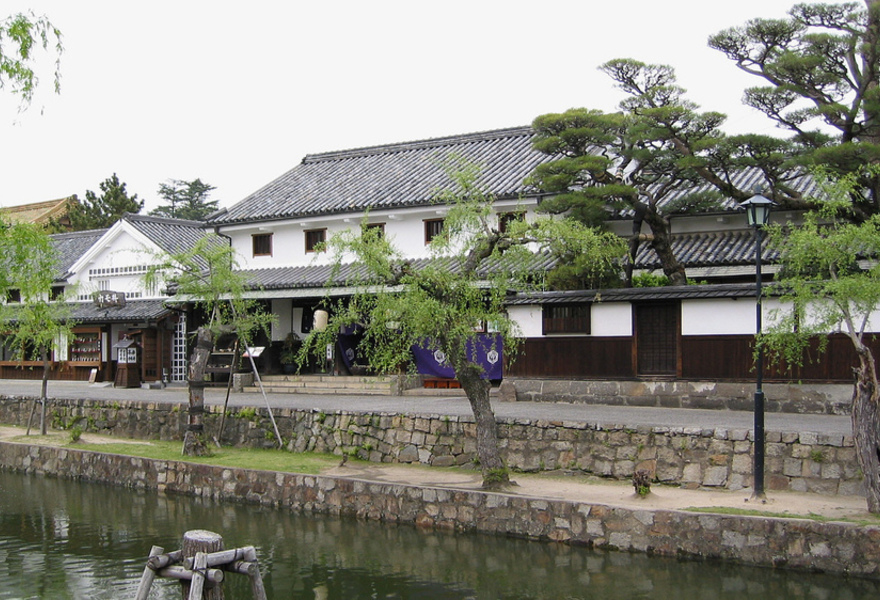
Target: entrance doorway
x=657 y=328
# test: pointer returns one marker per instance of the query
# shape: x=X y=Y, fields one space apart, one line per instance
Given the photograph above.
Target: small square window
x=433 y=228
x=566 y=318
x=505 y=219
x=314 y=238
x=262 y=244
x=379 y=228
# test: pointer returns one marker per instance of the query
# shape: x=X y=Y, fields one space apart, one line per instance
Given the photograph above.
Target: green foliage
x=98 y=212
x=819 y=70
x=651 y=159
x=830 y=277
x=248 y=413
x=35 y=324
x=290 y=349
x=186 y=200
x=75 y=434
x=463 y=287
x=207 y=274
x=496 y=477
x=20 y=35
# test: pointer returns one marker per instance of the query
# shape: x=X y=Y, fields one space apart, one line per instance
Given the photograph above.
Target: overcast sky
x=238 y=94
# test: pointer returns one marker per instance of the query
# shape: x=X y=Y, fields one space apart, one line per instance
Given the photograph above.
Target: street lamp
x=758 y=211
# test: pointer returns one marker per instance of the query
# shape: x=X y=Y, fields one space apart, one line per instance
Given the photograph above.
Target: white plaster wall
x=718 y=316
x=121 y=251
x=282 y=309
x=404 y=228
x=611 y=319
x=528 y=319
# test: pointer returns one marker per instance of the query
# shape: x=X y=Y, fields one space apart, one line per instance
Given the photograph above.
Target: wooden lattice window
x=566 y=318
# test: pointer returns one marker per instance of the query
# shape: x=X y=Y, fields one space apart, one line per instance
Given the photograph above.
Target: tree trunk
x=662 y=245
x=866 y=428
x=492 y=467
x=193 y=440
x=44 y=392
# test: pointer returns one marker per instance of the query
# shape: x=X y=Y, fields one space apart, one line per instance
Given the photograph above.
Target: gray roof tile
x=70 y=246
x=172 y=235
x=388 y=177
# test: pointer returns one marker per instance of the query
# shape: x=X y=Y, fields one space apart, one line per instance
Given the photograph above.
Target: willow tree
x=20 y=36
x=206 y=275
x=441 y=302
x=39 y=320
x=830 y=281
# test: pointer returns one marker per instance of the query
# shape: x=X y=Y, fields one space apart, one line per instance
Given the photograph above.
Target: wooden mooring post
x=200 y=565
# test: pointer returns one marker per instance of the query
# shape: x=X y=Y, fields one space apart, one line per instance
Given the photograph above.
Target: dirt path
x=567 y=487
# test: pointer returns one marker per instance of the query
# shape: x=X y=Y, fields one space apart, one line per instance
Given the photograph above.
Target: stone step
x=343 y=385
x=324 y=384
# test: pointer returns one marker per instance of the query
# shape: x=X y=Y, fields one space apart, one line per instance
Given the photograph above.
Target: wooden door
x=657 y=332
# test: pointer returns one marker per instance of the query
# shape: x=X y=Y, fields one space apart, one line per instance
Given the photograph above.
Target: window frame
x=311 y=241
x=259 y=239
x=571 y=319
x=431 y=224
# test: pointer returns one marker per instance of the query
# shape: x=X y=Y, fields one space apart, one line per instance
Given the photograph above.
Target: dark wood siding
x=577 y=357
x=710 y=358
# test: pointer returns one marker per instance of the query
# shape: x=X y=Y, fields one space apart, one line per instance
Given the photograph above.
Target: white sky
x=236 y=94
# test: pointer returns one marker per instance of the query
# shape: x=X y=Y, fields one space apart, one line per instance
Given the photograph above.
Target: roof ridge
x=418 y=144
x=81 y=233
x=164 y=220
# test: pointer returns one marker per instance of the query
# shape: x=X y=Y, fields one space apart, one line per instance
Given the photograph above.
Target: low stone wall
x=690 y=457
x=792 y=543
x=825 y=399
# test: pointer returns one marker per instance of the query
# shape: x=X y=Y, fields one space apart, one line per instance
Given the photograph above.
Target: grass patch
x=751 y=512
x=245 y=458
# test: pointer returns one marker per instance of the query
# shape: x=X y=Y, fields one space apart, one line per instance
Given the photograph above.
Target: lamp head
x=758 y=210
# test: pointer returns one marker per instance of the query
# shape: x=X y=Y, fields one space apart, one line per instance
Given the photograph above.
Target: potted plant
x=289 y=352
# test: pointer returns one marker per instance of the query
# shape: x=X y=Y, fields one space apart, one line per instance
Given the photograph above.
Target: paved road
x=452 y=405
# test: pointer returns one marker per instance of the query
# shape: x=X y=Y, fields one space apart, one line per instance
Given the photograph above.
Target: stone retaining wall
x=792 y=543
x=823 y=399
x=690 y=457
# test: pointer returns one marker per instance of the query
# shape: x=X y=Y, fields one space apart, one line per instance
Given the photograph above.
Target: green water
x=62 y=539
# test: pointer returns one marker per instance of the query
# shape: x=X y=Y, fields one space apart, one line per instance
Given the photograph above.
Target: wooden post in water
x=199 y=541
x=148 y=576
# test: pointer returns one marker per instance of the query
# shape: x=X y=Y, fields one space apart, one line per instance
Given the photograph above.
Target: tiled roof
x=37 y=212
x=70 y=246
x=134 y=310
x=317 y=276
x=172 y=235
x=746 y=179
x=727 y=248
x=388 y=177
x=680 y=292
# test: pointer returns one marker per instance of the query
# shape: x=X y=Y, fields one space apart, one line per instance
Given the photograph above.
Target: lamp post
x=758 y=211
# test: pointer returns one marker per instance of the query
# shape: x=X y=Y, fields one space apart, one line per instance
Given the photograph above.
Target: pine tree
x=99 y=212
x=186 y=200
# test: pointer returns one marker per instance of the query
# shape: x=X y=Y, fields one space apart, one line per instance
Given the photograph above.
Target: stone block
x=409 y=454
x=715 y=477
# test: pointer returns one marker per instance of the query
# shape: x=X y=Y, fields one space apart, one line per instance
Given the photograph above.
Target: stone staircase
x=344 y=385
x=326 y=384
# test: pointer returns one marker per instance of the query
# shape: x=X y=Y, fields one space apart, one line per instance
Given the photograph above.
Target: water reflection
x=61 y=539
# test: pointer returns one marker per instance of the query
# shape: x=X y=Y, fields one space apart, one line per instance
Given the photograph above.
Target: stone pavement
x=628 y=416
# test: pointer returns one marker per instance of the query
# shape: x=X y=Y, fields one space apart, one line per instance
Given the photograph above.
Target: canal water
x=63 y=539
